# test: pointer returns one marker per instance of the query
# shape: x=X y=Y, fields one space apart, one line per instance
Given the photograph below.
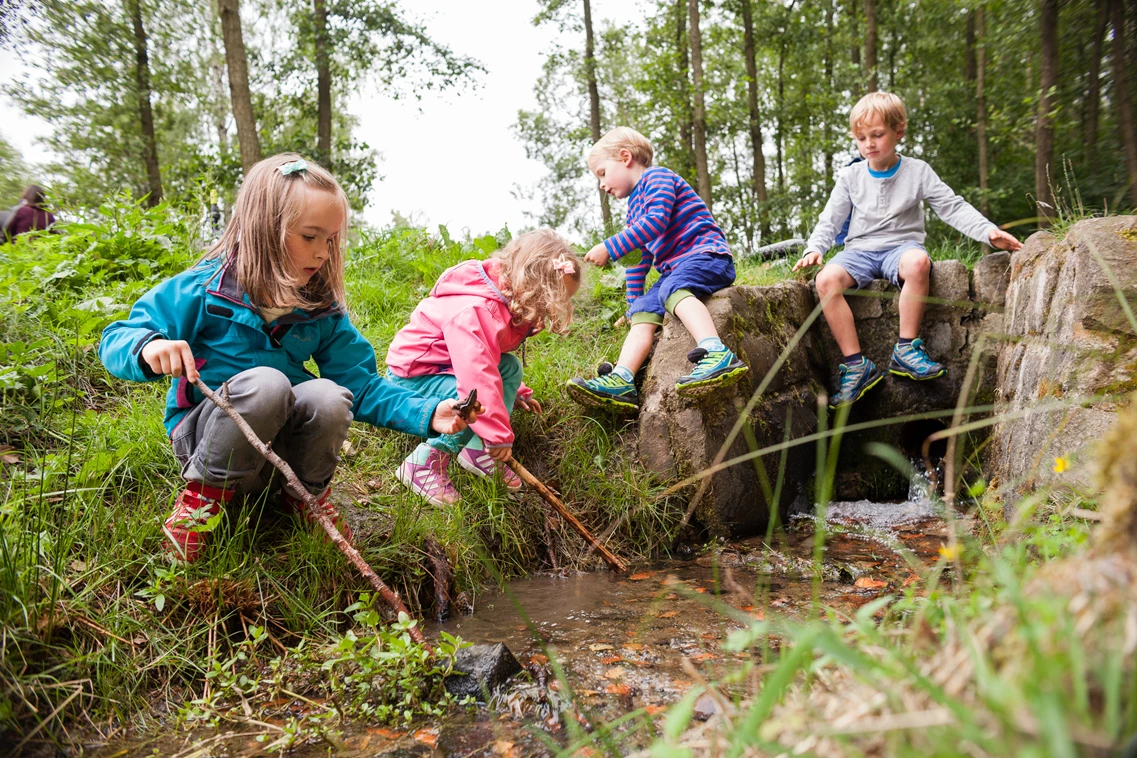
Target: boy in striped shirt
x=673 y=228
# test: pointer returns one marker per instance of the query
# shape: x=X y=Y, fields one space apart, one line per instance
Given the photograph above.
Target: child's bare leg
x=637 y=346
x=696 y=318
x=915 y=272
x=831 y=285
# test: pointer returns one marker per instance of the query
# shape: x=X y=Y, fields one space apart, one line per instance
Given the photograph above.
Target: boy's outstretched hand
x=1003 y=241
x=598 y=256
x=447 y=421
x=809 y=259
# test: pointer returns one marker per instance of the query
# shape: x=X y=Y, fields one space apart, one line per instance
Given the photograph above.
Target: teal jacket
x=206 y=307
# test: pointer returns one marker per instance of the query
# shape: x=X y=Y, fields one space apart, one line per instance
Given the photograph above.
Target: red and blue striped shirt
x=668 y=222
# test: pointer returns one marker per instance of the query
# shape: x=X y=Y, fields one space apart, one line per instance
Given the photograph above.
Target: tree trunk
x=594 y=104
x=969 y=46
x=1092 y=102
x=870 y=45
x=779 y=130
x=217 y=79
x=1121 y=96
x=827 y=154
x=981 y=104
x=146 y=115
x=758 y=176
x=238 y=67
x=702 y=171
x=323 y=83
x=686 y=127
x=1044 y=131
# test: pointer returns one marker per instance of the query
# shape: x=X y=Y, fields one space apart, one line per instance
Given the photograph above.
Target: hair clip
x=564 y=265
x=294 y=167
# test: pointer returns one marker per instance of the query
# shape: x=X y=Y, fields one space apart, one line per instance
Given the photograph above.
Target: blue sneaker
x=713 y=369
x=854 y=382
x=607 y=390
x=912 y=361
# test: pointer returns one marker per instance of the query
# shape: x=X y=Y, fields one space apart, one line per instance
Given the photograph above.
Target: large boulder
x=679 y=437
x=1068 y=338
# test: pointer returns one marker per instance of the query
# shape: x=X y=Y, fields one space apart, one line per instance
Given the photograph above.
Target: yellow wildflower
x=1061 y=464
x=948 y=553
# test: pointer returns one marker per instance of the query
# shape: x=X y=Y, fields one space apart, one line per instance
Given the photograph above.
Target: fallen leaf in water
x=622 y=690
x=633 y=646
x=868 y=583
x=759 y=614
x=669 y=614
x=747 y=608
x=389 y=734
x=506 y=749
x=704 y=657
x=651 y=709
x=710 y=636
x=672 y=596
x=539 y=658
x=427 y=737
x=912 y=578
x=630 y=634
x=611 y=659
x=700 y=589
x=639 y=577
x=599 y=647
x=615 y=673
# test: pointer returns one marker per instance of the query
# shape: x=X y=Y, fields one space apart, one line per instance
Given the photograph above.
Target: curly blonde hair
x=535 y=267
x=268 y=203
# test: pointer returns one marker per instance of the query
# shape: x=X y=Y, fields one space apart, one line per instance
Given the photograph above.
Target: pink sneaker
x=197 y=504
x=296 y=505
x=479 y=462
x=429 y=480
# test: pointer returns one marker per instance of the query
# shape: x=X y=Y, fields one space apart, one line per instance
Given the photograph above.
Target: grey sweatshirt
x=887 y=211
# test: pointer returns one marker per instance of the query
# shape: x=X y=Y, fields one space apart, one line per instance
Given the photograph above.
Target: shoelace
x=919 y=355
x=613 y=381
x=709 y=361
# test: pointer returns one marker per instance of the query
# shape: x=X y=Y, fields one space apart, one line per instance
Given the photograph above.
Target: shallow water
x=627 y=644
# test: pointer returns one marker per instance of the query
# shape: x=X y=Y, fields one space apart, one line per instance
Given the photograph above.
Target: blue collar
x=885 y=174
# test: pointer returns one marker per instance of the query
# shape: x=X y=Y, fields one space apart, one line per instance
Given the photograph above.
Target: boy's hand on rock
x=447 y=421
x=530 y=404
x=170 y=358
x=500 y=454
x=1003 y=241
x=809 y=259
x=598 y=256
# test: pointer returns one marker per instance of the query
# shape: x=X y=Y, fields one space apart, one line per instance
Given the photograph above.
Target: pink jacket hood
x=463 y=328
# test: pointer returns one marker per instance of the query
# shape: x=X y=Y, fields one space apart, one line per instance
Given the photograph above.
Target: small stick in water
x=314 y=510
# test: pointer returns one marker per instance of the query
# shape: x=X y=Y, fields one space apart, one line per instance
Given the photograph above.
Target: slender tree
x=870 y=45
x=594 y=103
x=1044 y=130
x=855 y=53
x=981 y=104
x=323 y=81
x=827 y=151
x=146 y=115
x=758 y=176
x=217 y=82
x=1121 y=98
x=686 y=117
x=702 y=170
x=1092 y=104
x=237 y=63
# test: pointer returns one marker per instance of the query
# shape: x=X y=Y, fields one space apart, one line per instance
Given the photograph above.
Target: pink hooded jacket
x=463 y=328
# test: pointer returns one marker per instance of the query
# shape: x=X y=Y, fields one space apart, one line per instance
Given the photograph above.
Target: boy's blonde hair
x=268 y=203
x=534 y=267
x=888 y=106
x=622 y=138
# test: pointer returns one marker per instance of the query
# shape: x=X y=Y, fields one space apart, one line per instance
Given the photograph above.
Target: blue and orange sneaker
x=854 y=382
x=912 y=361
x=608 y=390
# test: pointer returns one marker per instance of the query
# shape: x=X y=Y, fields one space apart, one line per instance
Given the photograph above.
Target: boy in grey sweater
x=881 y=198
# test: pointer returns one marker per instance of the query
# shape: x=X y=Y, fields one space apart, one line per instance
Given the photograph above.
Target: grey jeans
x=306 y=426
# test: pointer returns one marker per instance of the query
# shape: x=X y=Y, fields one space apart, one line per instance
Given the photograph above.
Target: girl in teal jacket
x=266 y=299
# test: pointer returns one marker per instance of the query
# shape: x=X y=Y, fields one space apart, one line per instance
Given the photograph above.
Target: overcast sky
x=450 y=158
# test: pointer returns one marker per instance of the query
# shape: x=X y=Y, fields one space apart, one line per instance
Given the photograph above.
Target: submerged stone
x=481 y=669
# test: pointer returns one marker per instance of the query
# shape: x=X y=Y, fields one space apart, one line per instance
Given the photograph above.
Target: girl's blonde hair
x=888 y=106
x=622 y=138
x=534 y=267
x=268 y=204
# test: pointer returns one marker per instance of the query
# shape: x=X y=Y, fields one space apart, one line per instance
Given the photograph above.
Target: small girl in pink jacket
x=461 y=338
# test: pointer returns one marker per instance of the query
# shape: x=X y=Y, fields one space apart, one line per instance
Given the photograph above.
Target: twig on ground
x=315 y=512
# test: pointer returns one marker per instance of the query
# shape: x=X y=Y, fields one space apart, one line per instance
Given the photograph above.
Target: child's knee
x=832 y=279
x=259 y=388
x=325 y=399
x=915 y=265
x=510 y=367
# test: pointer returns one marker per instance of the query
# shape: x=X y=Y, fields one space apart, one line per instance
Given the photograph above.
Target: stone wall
x=679 y=437
x=1067 y=337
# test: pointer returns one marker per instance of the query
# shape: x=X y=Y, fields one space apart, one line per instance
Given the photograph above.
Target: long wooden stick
x=315 y=512
x=560 y=508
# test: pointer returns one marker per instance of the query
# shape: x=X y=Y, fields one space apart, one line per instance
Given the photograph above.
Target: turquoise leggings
x=446 y=386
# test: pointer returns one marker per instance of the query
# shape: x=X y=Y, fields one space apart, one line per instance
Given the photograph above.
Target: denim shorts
x=701 y=275
x=866 y=265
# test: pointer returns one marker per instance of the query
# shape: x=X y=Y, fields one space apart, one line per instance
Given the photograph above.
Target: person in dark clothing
x=30 y=215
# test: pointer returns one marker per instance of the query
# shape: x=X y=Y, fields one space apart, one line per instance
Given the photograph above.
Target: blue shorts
x=866 y=265
x=701 y=275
